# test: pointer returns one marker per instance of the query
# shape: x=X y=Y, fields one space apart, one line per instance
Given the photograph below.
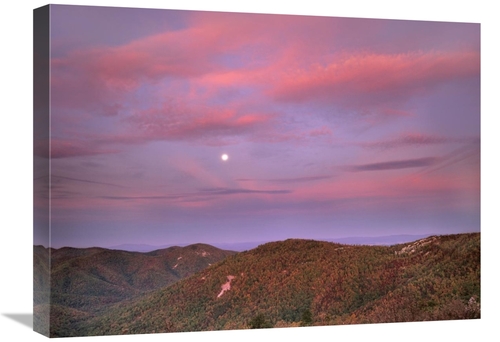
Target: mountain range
x=84 y=281
x=289 y=283
x=386 y=240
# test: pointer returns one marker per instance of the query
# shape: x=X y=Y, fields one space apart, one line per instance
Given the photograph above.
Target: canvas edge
x=41 y=170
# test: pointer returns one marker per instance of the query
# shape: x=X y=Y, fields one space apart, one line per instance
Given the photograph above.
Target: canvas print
x=200 y=171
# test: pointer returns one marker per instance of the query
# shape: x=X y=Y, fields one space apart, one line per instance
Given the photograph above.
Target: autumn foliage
x=304 y=282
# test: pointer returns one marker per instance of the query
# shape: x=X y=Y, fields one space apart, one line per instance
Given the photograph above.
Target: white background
x=16 y=165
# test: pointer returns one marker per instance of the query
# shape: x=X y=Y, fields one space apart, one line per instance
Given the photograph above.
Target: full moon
x=224 y=157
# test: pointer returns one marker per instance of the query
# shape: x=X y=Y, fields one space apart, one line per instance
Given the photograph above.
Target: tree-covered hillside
x=305 y=282
x=85 y=281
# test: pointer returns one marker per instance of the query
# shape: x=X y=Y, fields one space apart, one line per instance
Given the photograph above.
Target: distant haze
x=244 y=246
x=332 y=127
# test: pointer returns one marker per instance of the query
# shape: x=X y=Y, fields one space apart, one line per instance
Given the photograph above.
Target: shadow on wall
x=24 y=319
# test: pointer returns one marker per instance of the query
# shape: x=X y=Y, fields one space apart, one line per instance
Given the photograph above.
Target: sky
x=333 y=127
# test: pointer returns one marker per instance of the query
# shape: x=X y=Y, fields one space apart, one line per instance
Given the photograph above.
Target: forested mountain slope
x=305 y=282
x=84 y=281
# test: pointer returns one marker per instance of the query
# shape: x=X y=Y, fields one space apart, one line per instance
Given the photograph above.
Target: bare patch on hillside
x=415 y=246
x=226 y=286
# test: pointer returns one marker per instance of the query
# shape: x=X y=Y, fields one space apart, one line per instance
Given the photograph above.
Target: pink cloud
x=179 y=121
x=416 y=140
x=322 y=131
x=83 y=76
x=304 y=68
x=370 y=78
x=190 y=52
x=99 y=75
x=409 y=139
x=72 y=148
x=357 y=192
x=212 y=126
x=200 y=65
